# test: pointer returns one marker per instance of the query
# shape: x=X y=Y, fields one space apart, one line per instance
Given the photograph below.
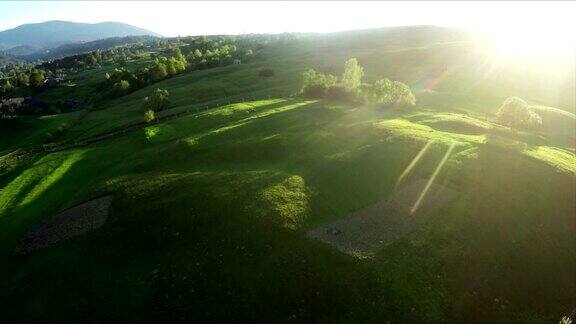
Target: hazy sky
x=193 y=18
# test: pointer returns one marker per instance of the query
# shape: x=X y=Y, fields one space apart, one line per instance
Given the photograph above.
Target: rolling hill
x=77 y=48
x=56 y=33
x=213 y=204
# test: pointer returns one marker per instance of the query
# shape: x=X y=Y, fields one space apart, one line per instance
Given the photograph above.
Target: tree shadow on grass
x=182 y=245
x=181 y=250
x=23 y=172
x=207 y=129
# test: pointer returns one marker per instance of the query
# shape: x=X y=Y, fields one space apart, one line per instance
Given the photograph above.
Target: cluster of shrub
x=10 y=68
x=123 y=81
x=33 y=76
x=33 y=79
x=73 y=63
x=9 y=73
x=194 y=53
x=198 y=53
x=154 y=103
x=13 y=107
x=516 y=112
x=222 y=56
x=204 y=52
x=349 y=87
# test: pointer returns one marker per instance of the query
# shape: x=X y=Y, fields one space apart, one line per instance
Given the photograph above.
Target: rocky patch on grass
x=70 y=223
x=365 y=232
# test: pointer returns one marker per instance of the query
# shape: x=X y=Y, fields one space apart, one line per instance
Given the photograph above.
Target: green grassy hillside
x=211 y=209
x=446 y=70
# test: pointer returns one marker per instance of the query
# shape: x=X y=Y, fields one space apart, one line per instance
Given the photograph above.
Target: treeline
x=203 y=52
x=33 y=76
x=33 y=79
x=170 y=56
x=349 y=87
x=184 y=55
x=13 y=75
x=200 y=52
x=123 y=81
x=74 y=63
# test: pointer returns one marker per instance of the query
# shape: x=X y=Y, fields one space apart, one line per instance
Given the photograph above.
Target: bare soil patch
x=72 y=222
x=369 y=230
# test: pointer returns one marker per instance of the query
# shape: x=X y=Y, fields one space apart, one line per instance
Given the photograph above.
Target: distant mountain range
x=77 y=48
x=29 y=38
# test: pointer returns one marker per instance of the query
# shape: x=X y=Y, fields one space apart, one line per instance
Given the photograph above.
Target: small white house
x=237 y=61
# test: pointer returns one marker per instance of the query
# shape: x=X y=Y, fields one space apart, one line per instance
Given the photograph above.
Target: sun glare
x=540 y=40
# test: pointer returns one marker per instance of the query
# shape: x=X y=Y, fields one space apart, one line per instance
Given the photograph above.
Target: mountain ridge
x=54 y=33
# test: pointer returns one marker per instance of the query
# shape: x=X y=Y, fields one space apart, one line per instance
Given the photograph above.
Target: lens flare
x=414 y=162
x=431 y=180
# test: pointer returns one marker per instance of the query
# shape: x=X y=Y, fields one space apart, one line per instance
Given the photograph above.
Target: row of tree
x=23 y=75
x=514 y=112
x=33 y=79
x=123 y=81
x=350 y=87
x=73 y=63
x=200 y=53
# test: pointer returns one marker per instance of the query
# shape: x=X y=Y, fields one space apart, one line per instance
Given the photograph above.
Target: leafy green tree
x=315 y=84
x=516 y=112
x=142 y=77
x=248 y=55
x=157 y=101
x=121 y=60
x=565 y=320
x=91 y=59
x=170 y=67
x=401 y=95
x=352 y=76
x=380 y=92
x=149 y=116
x=121 y=87
x=23 y=80
x=7 y=87
x=227 y=60
x=158 y=72
x=37 y=79
x=202 y=64
x=177 y=54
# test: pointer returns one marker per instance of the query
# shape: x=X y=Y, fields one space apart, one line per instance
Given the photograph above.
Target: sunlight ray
x=51 y=178
x=414 y=162
x=432 y=178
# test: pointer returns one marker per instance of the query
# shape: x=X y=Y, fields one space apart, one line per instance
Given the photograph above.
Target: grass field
x=211 y=209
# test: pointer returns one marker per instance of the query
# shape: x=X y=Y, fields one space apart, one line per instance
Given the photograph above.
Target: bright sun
x=540 y=41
